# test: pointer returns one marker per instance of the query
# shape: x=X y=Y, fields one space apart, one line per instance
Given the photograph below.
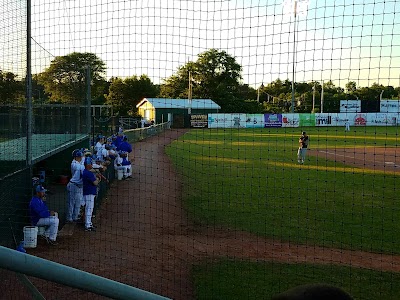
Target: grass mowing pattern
x=249 y=179
x=250 y=280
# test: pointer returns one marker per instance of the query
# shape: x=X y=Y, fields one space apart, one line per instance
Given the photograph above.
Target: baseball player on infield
x=303 y=145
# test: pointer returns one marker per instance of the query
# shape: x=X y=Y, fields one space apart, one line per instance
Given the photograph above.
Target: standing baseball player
x=303 y=145
x=347 y=124
x=90 y=182
x=75 y=187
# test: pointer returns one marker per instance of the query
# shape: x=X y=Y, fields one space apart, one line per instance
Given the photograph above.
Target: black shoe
x=44 y=237
x=90 y=228
x=51 y=242
x=129 y=177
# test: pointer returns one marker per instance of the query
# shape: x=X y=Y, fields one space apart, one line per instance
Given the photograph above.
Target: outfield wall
x=301 y=120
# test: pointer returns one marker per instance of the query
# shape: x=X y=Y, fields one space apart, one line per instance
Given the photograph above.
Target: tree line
x=214 y=75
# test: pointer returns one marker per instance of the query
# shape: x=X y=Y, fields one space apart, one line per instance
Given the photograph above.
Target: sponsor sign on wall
x=381 y=119
x=360 y=120
x=296 y=120
x=340 y=119
x=290 y=120
x=226 y=120
x=272 y=120
x=324 y=119
x=254 y=121
x=199 y=121
x=307 y=120
x=350 y=106
x=387 y=106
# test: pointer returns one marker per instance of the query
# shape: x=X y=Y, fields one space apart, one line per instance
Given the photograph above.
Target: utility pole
x=29 y=109
x=89 y=104
x=190 y=98
x=294 y=53
x=258 y=92
x=322 y=97
x=313 y=99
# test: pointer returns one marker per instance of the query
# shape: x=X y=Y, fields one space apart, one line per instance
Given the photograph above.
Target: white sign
x=226 y=120
x=381 y=119
x=350 y=106
x=389 y=106
x=254 y=121
x=342 y=118
x=290 y=120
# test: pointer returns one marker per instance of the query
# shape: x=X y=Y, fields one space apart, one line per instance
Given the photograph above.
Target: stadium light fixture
x=295 y=8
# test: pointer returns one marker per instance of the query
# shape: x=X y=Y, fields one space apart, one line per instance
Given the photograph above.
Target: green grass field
x=228 y=279
x=249 y=179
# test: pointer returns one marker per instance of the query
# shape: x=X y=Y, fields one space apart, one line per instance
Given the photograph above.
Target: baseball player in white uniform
x=75 y=186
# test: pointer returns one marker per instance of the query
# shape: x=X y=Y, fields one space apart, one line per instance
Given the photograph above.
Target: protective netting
x=201 y=149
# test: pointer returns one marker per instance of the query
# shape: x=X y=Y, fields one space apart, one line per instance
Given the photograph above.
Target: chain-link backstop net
x=240 y=149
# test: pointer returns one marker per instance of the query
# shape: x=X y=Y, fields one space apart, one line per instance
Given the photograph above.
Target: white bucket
x=120 y=174
x=30 y=236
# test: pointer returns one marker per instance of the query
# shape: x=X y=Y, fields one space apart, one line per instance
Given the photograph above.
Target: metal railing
x=42 y=268
x=139 y=134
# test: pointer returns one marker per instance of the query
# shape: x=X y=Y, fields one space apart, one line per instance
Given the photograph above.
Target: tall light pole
x=295 y=7
x=313 y=99
x=190 y=98
x=294 y=52
x=322 y=97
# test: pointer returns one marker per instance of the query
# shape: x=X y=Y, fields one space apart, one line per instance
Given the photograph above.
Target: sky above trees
x=340 y=40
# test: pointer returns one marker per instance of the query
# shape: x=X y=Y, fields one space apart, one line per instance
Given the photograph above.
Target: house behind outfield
x=176 y=110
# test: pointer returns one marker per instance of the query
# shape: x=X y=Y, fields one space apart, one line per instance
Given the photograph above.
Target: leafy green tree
x=117 y=96
x=11 y=90
x=125 y=94
x=139 y=88
x=65 y=79
x=351 y=87
x=215 y=75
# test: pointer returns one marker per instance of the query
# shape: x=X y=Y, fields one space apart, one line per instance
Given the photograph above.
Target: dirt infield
x=372 y=158
x=146 y=240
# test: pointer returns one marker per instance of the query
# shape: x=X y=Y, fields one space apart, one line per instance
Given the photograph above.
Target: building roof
x=180 y=103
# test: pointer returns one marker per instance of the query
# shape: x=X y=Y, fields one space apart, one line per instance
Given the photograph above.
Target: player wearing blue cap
x=75 y=186
x=90 y=182
x=42 y=216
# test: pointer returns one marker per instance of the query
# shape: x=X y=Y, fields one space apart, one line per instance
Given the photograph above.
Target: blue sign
x=272 y=120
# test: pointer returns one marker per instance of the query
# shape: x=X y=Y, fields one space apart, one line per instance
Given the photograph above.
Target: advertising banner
x=381 y=119
x=272 y=120
x=360 y=119
x=226 y=120
x=199 y=121
x=342 y=118
x=307 y=120
x=325 y=119
x=350 y=106
x=389 y=106
x=290 y=120
x=254 y=121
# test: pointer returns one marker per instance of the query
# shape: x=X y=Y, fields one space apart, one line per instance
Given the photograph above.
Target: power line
x=42 y=47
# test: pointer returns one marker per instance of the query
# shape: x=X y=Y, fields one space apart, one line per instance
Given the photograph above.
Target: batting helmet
x=77 y=153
